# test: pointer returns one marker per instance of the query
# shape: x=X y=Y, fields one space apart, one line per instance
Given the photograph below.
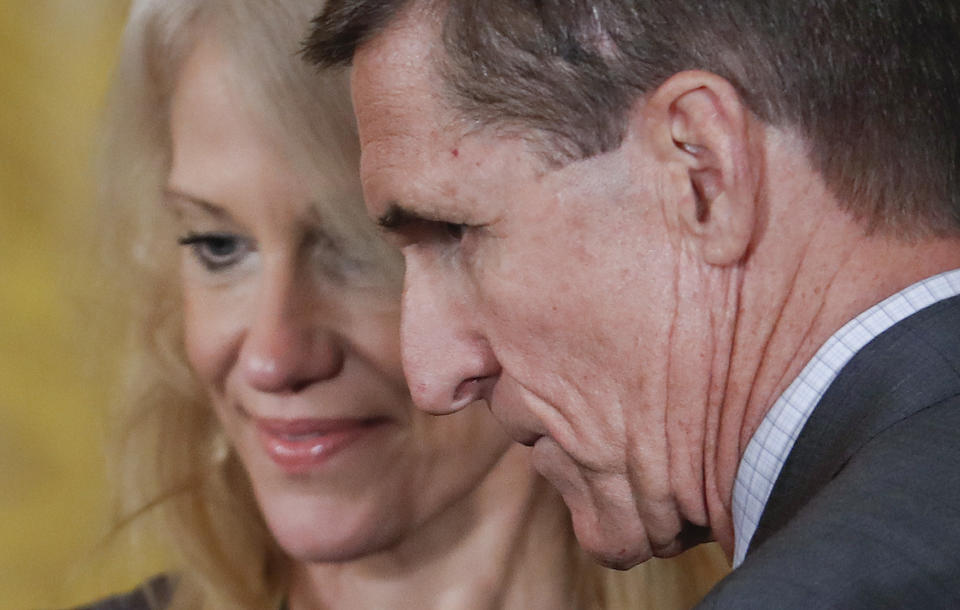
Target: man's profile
x=700 y=255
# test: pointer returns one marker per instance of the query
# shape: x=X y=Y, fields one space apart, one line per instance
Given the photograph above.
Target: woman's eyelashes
x=222 y=251
x=217 y=251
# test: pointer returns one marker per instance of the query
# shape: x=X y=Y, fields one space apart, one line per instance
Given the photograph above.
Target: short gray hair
x=873 y=86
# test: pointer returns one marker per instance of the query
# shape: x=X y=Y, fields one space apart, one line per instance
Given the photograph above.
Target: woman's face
x=294 y=335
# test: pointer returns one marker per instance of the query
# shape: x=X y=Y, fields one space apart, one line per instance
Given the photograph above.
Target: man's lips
x=509 y=404
x=528 y=439
x=299 y=445
x=516 y=430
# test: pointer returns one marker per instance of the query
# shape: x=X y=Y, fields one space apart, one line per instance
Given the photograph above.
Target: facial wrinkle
x=561 y=427
x=765 y=348
x=720 y=371
x=691 y=435
x=659 y=514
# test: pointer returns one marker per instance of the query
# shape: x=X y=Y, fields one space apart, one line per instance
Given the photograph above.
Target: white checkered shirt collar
x=773 y=440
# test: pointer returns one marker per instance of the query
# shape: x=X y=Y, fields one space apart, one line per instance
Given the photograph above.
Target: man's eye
x=454 y=230
x=216 y=251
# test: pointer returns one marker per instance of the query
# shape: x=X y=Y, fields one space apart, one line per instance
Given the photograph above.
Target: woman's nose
x=287 y=346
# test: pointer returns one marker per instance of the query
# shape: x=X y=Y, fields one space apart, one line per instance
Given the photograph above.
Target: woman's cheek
x=213 y=330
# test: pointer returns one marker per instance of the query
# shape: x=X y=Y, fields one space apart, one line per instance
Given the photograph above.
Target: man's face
x=549 y=291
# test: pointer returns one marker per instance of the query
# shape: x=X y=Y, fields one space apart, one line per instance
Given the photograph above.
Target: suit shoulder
x=882 y=533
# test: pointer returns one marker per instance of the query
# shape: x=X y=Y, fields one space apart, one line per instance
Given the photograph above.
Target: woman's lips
x=299 y=445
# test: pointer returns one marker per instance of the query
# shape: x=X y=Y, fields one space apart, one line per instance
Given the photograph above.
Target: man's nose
x=447 y=361
x=287 y=347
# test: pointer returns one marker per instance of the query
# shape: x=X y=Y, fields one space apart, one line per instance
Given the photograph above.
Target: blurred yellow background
x=55 y=62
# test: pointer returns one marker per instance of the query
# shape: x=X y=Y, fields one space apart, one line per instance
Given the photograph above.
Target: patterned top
x=773 y=440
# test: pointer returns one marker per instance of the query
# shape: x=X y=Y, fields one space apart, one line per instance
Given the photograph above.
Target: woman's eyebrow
x=177 y=198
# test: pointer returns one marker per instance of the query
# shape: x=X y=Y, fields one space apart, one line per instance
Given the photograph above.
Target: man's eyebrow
x=397 y=217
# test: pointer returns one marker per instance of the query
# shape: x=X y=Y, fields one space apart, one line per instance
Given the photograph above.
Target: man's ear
x=701 y=130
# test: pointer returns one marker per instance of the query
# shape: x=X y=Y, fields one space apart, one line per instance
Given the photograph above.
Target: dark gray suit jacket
x=866 y=512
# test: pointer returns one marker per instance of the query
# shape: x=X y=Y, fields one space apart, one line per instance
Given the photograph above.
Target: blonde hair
x=169 y=457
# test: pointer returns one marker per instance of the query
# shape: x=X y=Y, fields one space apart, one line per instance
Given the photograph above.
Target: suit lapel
x=911 y=365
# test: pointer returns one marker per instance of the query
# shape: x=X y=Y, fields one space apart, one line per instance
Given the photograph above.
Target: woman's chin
x=314 y=548
x=322 y=536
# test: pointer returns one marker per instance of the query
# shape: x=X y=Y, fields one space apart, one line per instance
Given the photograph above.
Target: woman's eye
x=216 y=251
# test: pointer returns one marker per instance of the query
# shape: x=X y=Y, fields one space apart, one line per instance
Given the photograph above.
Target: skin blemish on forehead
x=455 y=152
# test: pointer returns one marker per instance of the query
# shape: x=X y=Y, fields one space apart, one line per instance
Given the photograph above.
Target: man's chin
x=604 y=517
x=613 y=549
x=609 y=548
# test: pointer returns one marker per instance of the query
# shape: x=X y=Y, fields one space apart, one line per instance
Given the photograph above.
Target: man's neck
x=791 y=302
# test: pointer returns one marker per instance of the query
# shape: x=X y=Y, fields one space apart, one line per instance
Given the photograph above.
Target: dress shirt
x=774 y=438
